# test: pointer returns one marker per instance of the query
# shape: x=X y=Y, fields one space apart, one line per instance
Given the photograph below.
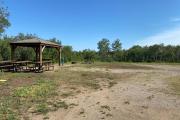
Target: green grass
x=23 y=98
x=6 y=112
x=39 y=90
x=42 y=108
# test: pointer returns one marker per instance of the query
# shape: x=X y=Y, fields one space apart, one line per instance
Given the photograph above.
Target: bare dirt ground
x=140 y=94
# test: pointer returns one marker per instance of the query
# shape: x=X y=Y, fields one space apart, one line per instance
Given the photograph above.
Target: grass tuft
x=42 y=108
x=112 y=83
x=61 y=104
x=106 y=107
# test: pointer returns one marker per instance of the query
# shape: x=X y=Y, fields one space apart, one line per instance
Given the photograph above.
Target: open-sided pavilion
x=38 y=45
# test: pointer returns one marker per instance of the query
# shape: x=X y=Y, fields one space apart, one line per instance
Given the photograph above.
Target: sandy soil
x=143 y=96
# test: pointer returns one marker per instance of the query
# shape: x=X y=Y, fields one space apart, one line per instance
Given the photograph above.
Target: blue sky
x=82 y=23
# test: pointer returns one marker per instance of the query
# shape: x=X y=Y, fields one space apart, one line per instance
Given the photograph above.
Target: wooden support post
x=37 y=53
x=12 y=52
x=59 y=56
x=40 y=55
x=43 y=48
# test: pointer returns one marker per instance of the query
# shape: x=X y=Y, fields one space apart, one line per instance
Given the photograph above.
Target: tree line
x=107 y=52
x=153 y=53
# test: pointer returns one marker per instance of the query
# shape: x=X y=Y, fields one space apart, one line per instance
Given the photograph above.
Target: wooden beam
x=37 y=53
x=59 y=59
x=40 y=55
x=59 y=55
x=13 y=48
x=43 y=48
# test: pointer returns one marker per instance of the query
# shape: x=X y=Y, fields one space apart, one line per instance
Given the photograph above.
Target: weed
x=150 y=97
x=46 y=118
x=93 y=85
x=145 y=107
x=73 y=104
x=112 y=83
x=109 y=115
x=106 y=107
x=84 y=74
x=127 y=102
x=60 y=104
x=81 y=111
x=67 y=94
x=42 y=108
x=110 y=77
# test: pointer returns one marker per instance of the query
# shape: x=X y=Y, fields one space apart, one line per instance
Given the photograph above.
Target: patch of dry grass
x=82 y=78
x=174 y=84
x=117 y=65
x=24 y=91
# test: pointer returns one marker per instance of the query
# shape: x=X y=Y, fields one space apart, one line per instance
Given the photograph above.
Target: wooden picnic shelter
x=38 y=45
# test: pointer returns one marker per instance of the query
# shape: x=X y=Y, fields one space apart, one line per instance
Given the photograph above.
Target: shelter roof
x=34 y=42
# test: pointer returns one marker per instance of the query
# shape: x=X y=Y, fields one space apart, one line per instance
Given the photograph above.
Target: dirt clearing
x=105 y=91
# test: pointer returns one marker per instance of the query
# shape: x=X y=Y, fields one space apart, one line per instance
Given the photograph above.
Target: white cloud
x=170 y=37
x=177 y=19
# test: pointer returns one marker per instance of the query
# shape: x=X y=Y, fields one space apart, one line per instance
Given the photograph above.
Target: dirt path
x=143 y=96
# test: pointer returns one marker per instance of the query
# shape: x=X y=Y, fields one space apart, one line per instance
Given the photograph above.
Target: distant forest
x=107 y=52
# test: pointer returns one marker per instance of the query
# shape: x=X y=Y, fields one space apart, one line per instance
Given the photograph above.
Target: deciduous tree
x=104 y=49
x=4 y=22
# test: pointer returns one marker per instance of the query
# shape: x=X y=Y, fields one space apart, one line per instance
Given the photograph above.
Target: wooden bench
x=51 y=66
x=2 y=67
x=48 y=67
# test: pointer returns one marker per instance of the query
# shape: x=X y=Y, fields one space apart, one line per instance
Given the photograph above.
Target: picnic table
x=5 y=65
x=5 y=62
x=46 y=65
x=20 y=65
x=24 y=66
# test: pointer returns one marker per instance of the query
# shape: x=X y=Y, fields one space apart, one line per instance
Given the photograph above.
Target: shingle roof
x=35 y=41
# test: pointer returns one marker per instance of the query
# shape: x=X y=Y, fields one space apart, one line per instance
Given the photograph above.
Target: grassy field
x=40 y=93
x=35 y=92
